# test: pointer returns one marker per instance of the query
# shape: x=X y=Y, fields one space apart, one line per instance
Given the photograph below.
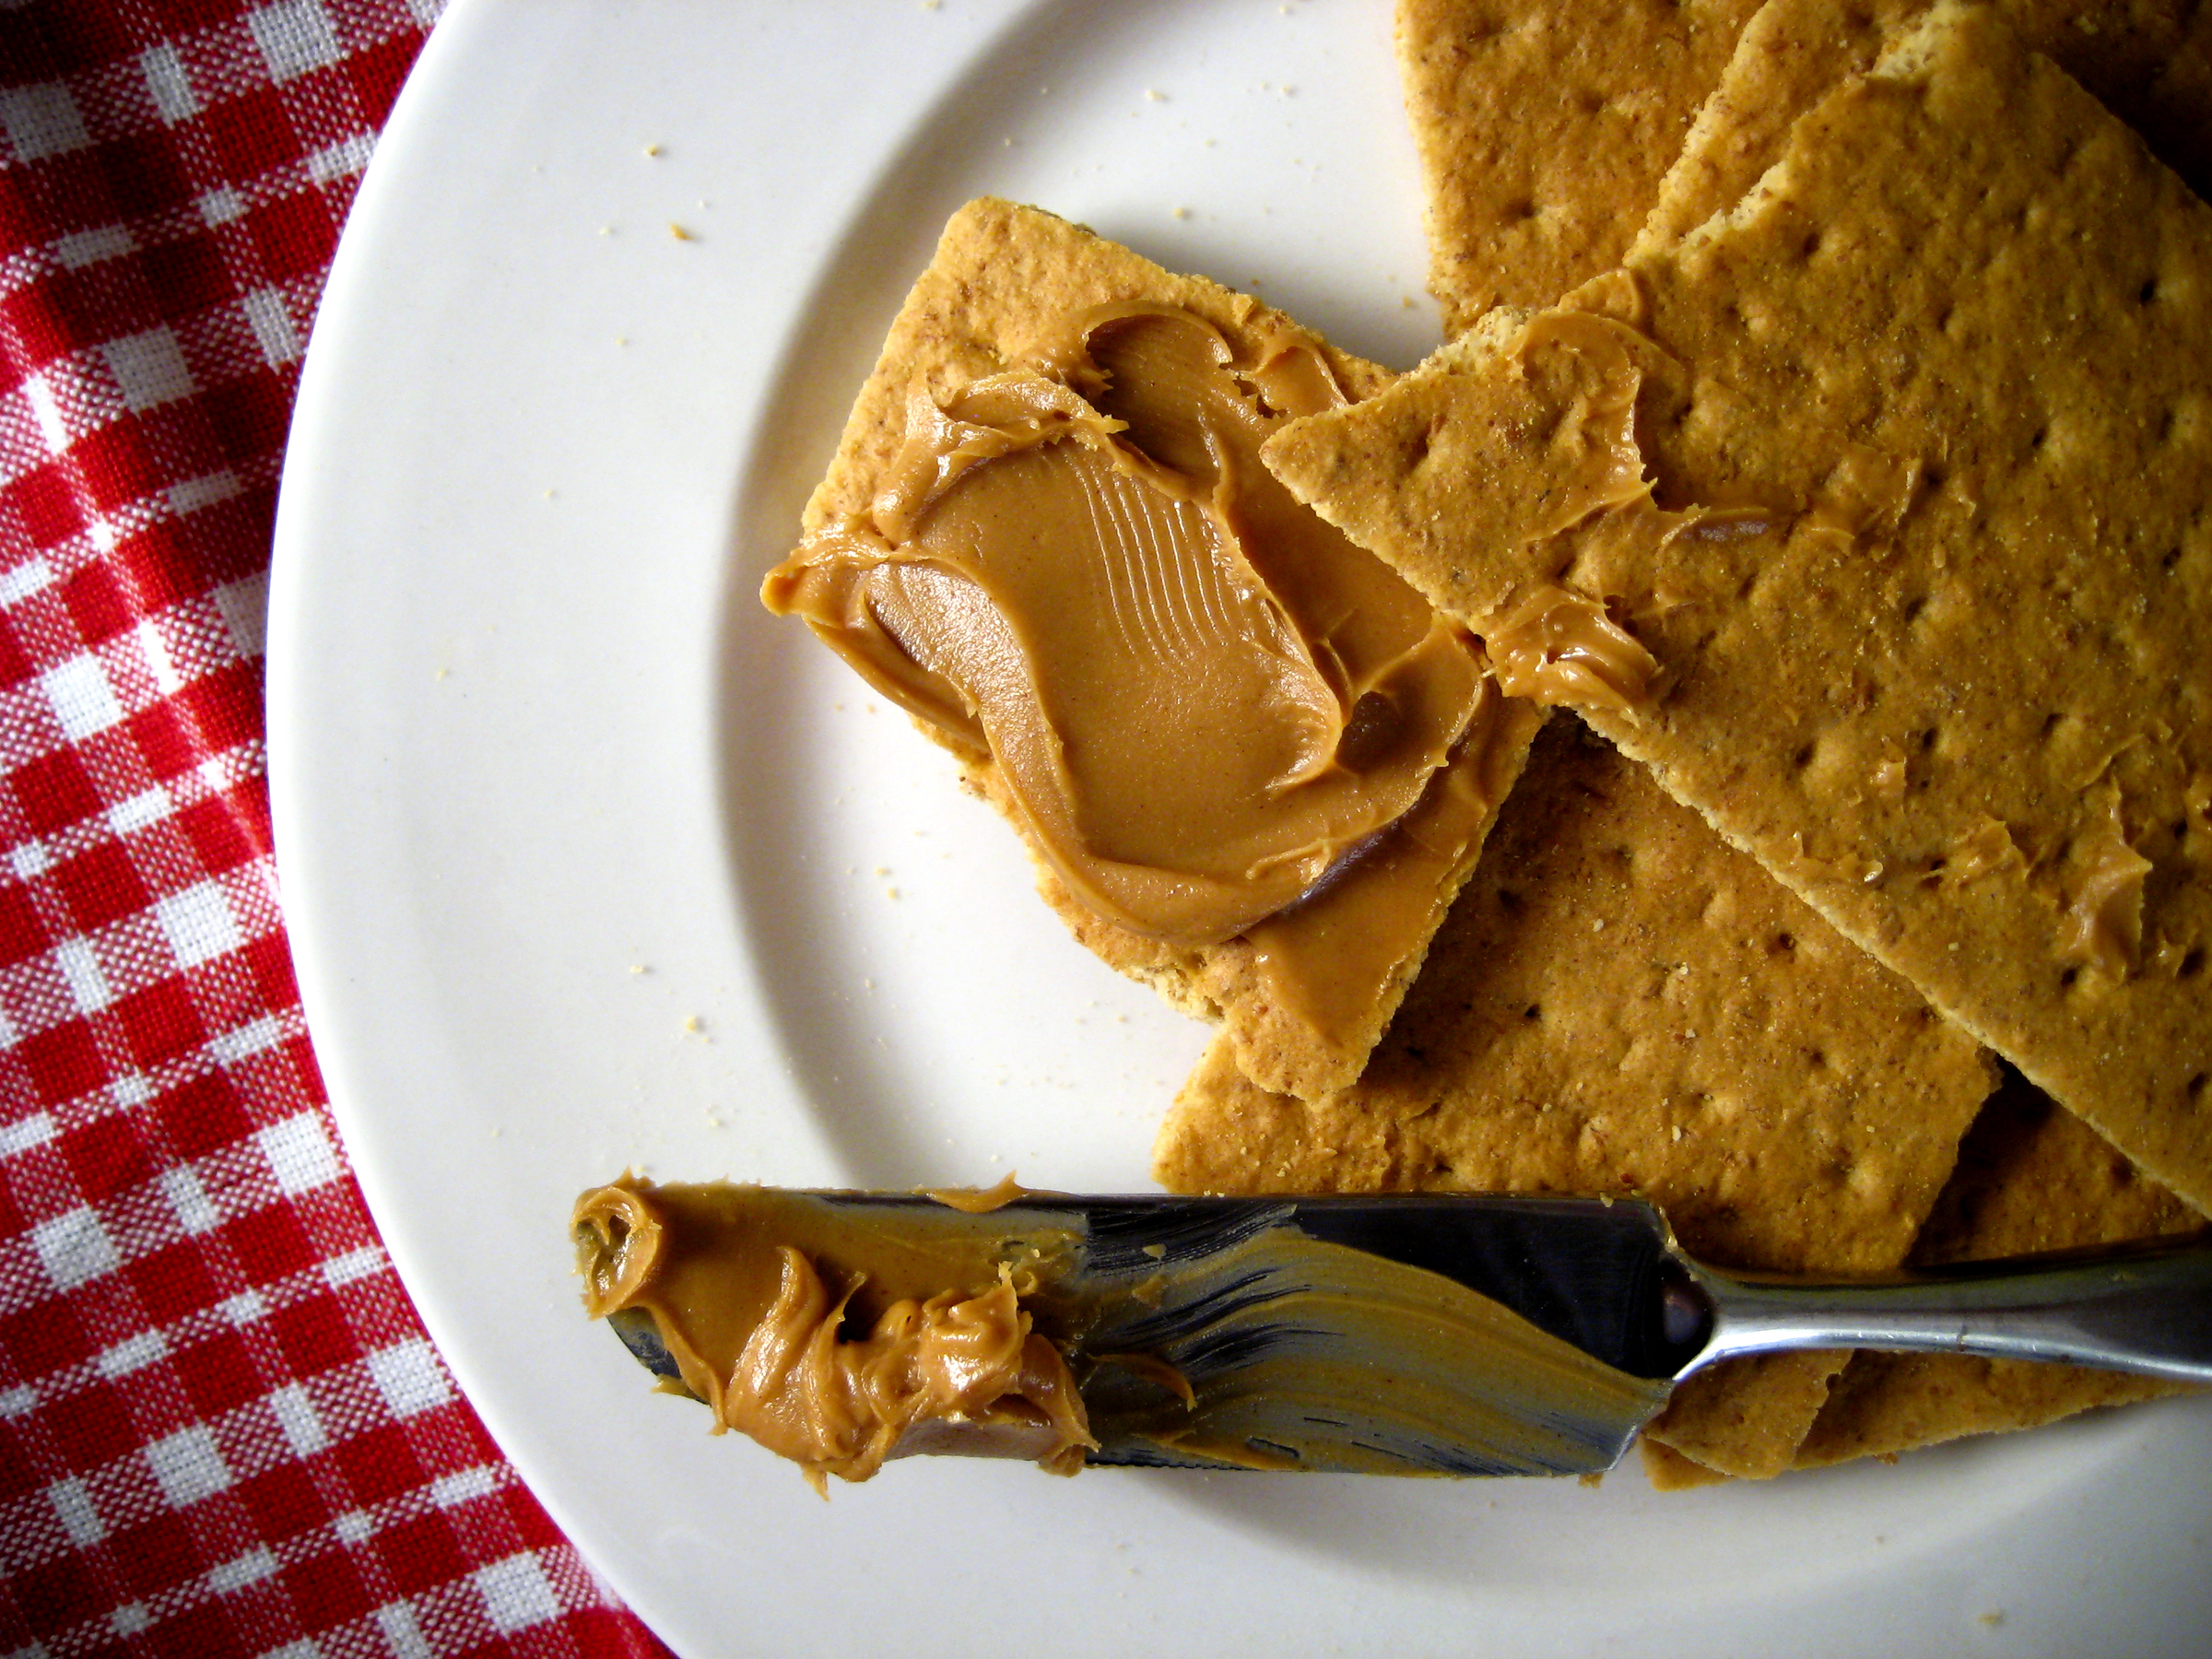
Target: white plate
x=589 y=862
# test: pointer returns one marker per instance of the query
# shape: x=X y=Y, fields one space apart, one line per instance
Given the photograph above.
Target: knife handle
x=2147 y=1309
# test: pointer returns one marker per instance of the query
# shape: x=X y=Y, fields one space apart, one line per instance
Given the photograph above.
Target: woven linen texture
x=222 y=1429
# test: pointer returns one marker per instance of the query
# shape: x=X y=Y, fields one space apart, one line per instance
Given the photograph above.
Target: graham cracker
x=1000 y=271
x=1620 y=1003
x=1544 y=128
x=2147 y=61
x=1929 y=626
x=2030 y=1176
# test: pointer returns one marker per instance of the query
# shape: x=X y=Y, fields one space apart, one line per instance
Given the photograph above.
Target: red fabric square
x=78 y=38
x=159 y=1023
x=56 y=1593
x=172 y=1282
x=105 y=1156
x=377 y=74
x=217 y=1375
x=198 y=1633
x=102 y=301
x=282 y=1502
x=162 y=741
x=532 y=1524
x=327 y=1590
x=64 y=1061
x=379 y=1464
x=143 y=174
x=187 y=275
x=176 y=17
x=270 y=960
x=199 y=1115
x=158 y=1553
x=43 y=501
x=218 y=839
x=159 y=566
x=251 y=134
x=115 y=465
x=270 y=1245
x=295 y=236
x=15 y=663
x=101 y=886
x=54 y=792
x=419 y=1554
x=250 y=413
x=44 y=1337
x=225 y=705
x=18 y=1476
x=34 y=325
x=311 y=1335
x=91 y=1427
x=96 y=604
x=22 y=935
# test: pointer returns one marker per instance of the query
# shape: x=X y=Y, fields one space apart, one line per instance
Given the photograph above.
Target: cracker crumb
x=653 y=150
x=680 y=234
x=1993 y=1618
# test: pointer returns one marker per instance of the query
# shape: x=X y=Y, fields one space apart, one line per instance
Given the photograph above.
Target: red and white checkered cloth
x=221 y=1428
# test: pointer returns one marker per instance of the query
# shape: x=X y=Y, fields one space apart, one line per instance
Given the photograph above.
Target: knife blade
x=1427 y=1334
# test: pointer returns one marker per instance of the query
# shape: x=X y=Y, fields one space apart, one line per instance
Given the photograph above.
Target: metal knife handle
x=2147 y=1310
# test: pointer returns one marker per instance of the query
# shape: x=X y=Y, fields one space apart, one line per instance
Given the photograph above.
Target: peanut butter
x=1203 y=699
x=833 y=1343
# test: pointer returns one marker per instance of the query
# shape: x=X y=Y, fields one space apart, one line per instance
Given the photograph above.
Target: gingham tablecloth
x=222 y=1429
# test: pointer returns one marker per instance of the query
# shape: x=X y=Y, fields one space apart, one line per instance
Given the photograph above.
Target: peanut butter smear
x=1202 y=696
x=831 y=1344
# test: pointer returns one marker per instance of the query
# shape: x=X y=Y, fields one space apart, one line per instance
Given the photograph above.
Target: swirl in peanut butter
x=1201 y=697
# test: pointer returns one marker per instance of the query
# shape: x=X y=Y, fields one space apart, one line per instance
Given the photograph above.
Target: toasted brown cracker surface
x=1621 y=1003
x=1544 y=128
x=2030 y=1176
x=1977 y=738
x=2146 y=60
x=1001 y=272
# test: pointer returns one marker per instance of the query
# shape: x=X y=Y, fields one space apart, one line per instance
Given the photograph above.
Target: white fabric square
x=353 y=1264
x=148 y=806
x=353 y=1528
x=74 y=1505
x=29 y=577
x=82 y=248
x=221 y=206
x=131 y=1089
x=242 y=1043
x=73 y=1248
x=134 y=1354
x=24 y=1133
x=402 y=1633
x=300 y=1154
x=187 y=1466
x=200 y=926
x=195 y=493
x=241 y=1571
x=149 y=368
x=244 y=1308
x=83 y=701
x=516 y=1594
x=15 y=1402
x=408 y=1378
x=271 y=326
x=171 y=88
x=195 y=1212
x=30 y=859
x=464 y=1488
x=295 y=1416
x=130 y=1618
x=43 y=121
x=294 y=37
x=88 y=985
x=342 y=159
